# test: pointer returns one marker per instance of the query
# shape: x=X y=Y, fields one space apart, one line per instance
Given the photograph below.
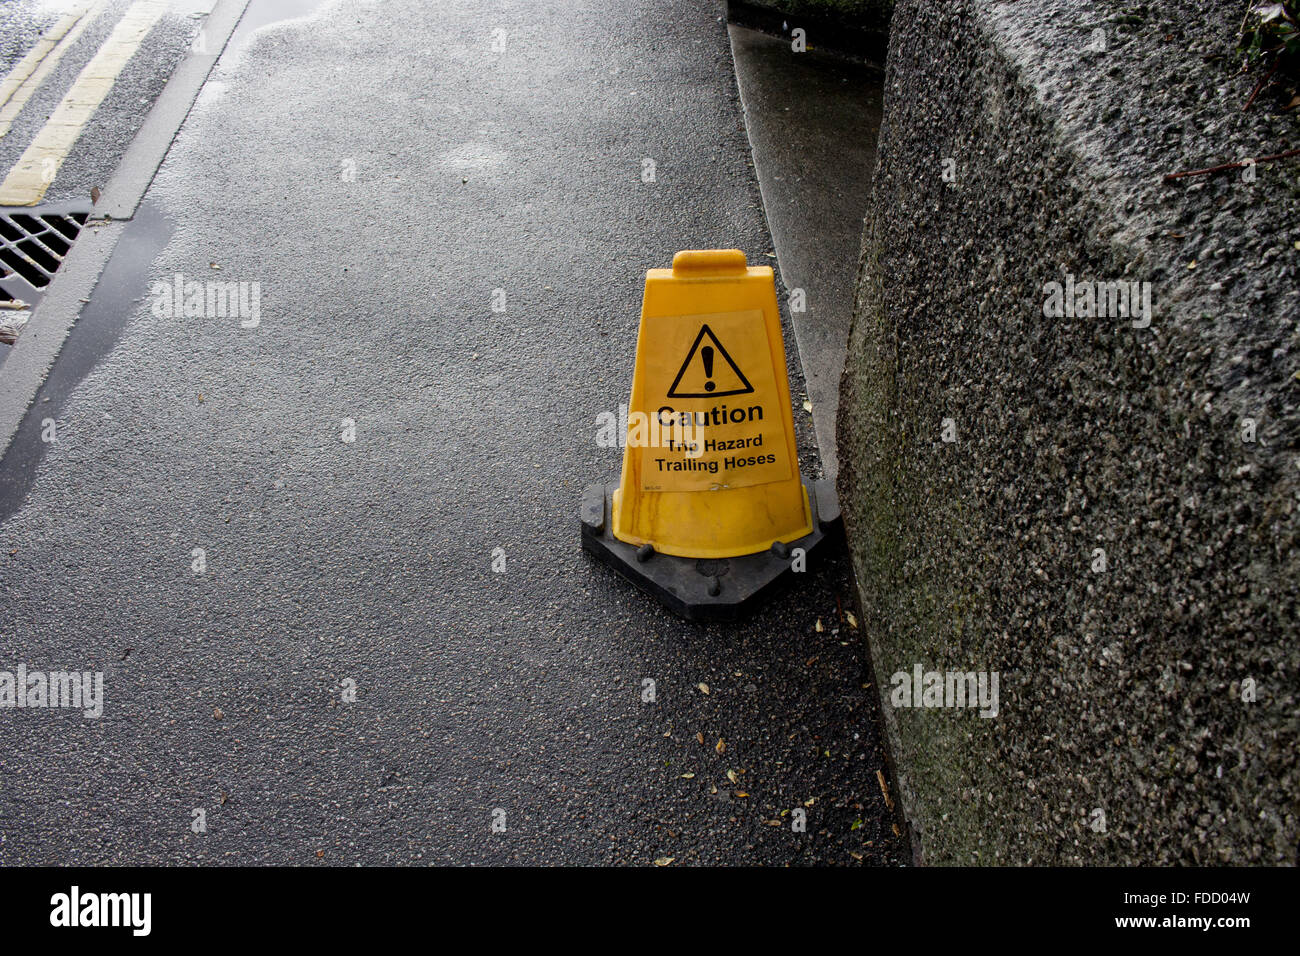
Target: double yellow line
x=31 y=71
x=31 y=176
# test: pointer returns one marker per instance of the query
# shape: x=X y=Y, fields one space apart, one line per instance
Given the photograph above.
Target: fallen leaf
x=688 y=776
x=700 y=737
x=704 y=688
x=665 y=861
x=807 y=405
x=819 y=626
x=320 y=854
x=884 y=789
x=857 y=825
x=741 y=794
x=853 y=621
x=810 y=801
x=217 y=714
x=731 y=775
x=720 y=746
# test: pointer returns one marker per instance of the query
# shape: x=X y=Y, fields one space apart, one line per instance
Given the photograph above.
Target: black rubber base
x=704 y=589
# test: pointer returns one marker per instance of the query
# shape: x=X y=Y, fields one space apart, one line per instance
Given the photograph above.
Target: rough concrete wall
x=1120 y=690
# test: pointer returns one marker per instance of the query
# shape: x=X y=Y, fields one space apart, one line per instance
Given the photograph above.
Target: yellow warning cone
x=712 y=471
x=710 y=468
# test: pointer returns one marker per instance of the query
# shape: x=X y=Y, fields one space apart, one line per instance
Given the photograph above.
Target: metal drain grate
x=34 y=241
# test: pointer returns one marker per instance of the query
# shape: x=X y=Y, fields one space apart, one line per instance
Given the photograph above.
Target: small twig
x=1260 y=86
x=1245 y=17
x=1226 y=166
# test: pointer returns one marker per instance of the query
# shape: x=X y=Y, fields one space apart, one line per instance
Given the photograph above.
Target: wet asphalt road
x=380 y=170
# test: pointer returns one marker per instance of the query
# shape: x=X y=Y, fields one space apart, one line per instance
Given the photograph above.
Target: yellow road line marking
x=48 y=41
x=32 y=80
x=35 y=170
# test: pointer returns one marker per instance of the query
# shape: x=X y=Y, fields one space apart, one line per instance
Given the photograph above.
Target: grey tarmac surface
x=370 y=561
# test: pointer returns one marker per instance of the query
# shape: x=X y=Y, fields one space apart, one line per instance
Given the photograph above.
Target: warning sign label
x=710 y=391
x=708 y=371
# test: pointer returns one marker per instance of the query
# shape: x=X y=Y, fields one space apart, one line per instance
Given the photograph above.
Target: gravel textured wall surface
x=1126 y=732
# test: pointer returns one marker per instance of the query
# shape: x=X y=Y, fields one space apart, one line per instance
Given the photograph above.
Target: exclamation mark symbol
x=706 y=353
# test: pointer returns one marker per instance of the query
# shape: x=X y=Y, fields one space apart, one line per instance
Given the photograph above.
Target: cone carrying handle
x=709 y=262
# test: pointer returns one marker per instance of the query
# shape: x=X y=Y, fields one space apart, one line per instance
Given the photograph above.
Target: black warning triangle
x=708 y=371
